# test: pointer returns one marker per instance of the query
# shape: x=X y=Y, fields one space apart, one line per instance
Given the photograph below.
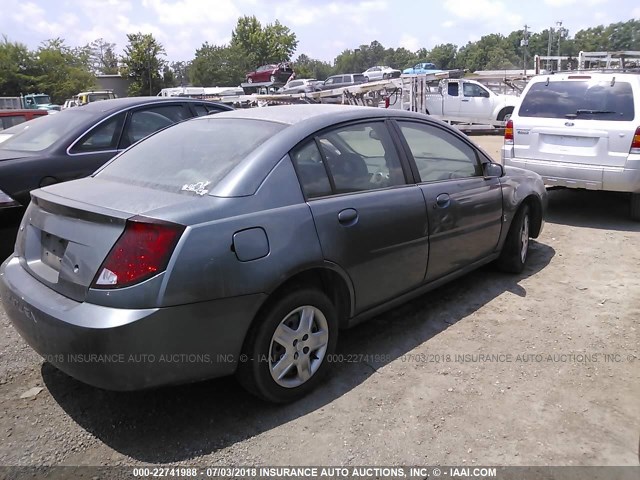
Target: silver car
x=580 y=130
x=242 y=242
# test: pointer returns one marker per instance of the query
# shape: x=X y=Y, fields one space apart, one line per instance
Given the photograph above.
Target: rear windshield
x=192 y=156
x=40 y=133
x=588 y=99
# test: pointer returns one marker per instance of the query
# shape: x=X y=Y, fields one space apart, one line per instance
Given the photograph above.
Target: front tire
x=249 y=80
x=287 y=348
x=516 y=246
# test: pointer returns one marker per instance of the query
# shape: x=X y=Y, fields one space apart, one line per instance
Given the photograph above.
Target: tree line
x=62 y=71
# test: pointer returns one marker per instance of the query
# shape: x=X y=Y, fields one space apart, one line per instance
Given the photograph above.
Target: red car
x=271 y=73
x=9 y=118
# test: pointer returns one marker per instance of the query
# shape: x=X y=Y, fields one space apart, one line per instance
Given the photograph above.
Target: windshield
x=93 y=97
x=584 y=99
x=192 y=156
x=40 y=133
x=42 y=99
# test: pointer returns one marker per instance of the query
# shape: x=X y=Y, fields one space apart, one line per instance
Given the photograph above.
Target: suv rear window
x=196 y=152
x=588 y=100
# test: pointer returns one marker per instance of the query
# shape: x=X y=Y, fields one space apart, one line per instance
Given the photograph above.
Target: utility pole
x=560 y=32
x=524 y=43
x=549 y=45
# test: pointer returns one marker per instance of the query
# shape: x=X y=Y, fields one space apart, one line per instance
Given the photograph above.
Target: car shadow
x=592 y=209
x=180 y=423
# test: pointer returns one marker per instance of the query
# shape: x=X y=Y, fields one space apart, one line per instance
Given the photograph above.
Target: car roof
x=291 y=114
x=116 y=104
x=583 y=75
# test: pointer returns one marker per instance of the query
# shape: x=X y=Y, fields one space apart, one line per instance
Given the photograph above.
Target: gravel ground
x=540 y=368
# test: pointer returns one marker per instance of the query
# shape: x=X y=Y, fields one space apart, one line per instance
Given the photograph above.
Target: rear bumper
x=126 y=349
x=590 y=177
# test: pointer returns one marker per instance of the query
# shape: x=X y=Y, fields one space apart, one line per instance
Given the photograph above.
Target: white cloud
x=192 y=12
x=494 y=15
x=300 y=13
x=560 y=3
x=409 y=42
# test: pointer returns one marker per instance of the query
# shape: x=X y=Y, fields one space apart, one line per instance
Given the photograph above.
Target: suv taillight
x=142 y=251
x=508 y=133
x=635 y=143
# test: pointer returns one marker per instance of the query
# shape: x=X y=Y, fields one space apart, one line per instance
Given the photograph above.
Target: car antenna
x=613 y=81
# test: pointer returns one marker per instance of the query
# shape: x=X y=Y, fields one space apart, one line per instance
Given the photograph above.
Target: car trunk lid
x=68 y=231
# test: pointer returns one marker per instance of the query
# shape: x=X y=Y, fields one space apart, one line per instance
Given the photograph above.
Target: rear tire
x=272 y=78
x=635 y=206
x=516 y=246
x=505 y=114
x=287 y=347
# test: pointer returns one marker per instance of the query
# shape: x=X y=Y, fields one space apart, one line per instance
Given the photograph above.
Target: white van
x=579 y=130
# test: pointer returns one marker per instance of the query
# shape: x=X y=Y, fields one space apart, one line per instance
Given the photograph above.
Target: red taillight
x=142 y=251
x=635 y=143
x=508 y=133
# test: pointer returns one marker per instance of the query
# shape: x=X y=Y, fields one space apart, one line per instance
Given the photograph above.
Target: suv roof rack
x=596 y=70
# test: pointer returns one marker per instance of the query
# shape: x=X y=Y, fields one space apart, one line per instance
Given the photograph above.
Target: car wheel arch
x=535 y=209
x=329 y=279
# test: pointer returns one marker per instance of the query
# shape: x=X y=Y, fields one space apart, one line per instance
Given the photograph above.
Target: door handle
x=443 y=200
x=348 y=217
x=465 y=99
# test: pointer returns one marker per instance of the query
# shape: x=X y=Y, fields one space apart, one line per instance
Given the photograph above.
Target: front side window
x=580 y=99
x=473 y=90
x=361 y=157
x=439 y=155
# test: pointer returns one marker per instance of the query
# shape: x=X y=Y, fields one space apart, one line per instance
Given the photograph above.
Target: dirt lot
x=540 y=368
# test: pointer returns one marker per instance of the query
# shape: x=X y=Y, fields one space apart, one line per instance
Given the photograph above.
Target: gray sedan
x=242 y=242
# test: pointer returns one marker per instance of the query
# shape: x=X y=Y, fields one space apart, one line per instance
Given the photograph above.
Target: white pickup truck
x=466 y=101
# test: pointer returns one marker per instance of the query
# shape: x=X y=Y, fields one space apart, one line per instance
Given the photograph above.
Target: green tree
x=17 y=69
x=218 y=66
x=102 y=57
x=399 y=58
x=143 y=63
x=262 y=45
x=444 y=56
x=62 y=71
x=181 y=72
x=306 y=67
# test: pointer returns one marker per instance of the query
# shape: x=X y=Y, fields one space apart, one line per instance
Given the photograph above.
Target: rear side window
x=103 y=137
x=359 y=78
x=585 y=99
x=190 y=156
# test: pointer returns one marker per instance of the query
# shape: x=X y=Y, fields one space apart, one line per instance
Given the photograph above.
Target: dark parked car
x=75 y=142
x=273 y=72
x=344 y=80
x=241 y=242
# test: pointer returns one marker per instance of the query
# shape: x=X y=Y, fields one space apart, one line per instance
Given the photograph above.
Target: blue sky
x=324 y=27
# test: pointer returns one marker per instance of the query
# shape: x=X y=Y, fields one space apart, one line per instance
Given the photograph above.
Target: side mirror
x=492 y=170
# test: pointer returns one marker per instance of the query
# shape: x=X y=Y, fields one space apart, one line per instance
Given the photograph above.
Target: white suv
x=579 y=130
